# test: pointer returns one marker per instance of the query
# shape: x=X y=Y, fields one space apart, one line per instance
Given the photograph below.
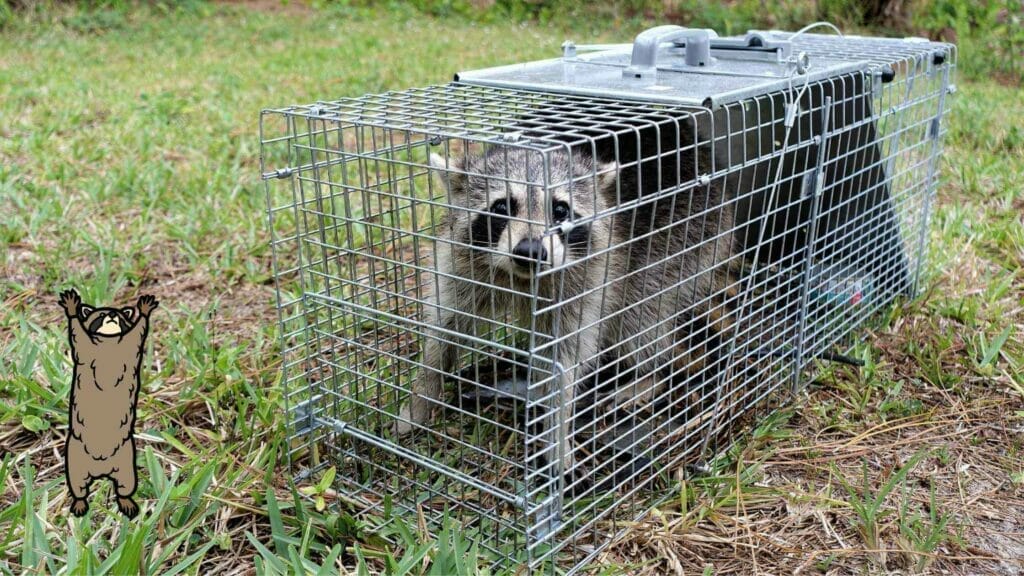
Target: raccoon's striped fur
x=639 y=278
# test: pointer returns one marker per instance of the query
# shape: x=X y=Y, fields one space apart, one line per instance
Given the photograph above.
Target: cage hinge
x=303 y=475
x=814 y=183
x=699 y=468
x=278 y=174
x=935 y=128
x=549 y=517
x=302 y=419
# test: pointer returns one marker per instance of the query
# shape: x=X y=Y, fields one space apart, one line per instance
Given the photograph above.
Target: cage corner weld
x=525 y=300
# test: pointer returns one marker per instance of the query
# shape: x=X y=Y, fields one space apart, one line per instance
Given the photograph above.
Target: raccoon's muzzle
x=529 y=253
x=102 y=320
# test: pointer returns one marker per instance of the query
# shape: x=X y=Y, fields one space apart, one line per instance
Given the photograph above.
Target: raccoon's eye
x=560 y=211
x=500 y=207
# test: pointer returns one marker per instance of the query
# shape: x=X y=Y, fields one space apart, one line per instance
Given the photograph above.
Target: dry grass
x=795 y=518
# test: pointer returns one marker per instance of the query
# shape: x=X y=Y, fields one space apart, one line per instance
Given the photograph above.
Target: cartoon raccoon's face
x=506 y=212
x=107 y=321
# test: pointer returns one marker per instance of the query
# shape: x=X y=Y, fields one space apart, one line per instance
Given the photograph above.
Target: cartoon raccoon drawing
x=635 y=287
x=107 y=346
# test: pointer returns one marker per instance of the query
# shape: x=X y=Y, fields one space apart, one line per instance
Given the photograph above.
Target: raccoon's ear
x=85 y=310
x=607 y=175
x=450 y=171
x=128 y=312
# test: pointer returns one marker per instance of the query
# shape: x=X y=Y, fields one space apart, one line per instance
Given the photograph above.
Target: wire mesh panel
x=525 y=312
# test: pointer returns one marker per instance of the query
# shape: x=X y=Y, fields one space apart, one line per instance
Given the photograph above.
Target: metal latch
x=755 y=45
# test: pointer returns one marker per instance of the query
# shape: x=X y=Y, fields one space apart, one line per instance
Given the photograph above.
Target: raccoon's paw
x=405 y=423
x=415 y=411
x=127 y=506
x=147 y=304
x=402 y=427
x=70 y=301
x=79 y=507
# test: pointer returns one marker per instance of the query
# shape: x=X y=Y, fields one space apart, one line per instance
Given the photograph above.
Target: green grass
x=129 y=164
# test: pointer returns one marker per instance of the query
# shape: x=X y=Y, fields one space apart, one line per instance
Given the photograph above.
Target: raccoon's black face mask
x=508 y=215
x=107 y=321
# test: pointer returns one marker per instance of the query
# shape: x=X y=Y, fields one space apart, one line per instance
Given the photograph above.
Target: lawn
x=129 y=164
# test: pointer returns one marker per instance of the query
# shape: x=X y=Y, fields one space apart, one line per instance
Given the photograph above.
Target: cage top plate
x=675 y=65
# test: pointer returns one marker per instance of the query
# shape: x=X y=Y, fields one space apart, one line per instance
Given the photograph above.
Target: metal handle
x=645 y=48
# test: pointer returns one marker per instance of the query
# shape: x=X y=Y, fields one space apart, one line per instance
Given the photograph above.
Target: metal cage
x=525 y=301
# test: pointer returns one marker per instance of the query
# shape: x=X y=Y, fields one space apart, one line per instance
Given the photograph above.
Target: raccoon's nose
x=529 y=253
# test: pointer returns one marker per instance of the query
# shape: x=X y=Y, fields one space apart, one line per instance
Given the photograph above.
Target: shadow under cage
x=525 y=302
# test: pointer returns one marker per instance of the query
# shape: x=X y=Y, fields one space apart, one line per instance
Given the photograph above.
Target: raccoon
x=107 y=345
x=635 y=285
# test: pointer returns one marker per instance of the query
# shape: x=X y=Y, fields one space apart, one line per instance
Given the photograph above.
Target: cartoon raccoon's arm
x=137 y=333
x=72 y=304
x=80 y=339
